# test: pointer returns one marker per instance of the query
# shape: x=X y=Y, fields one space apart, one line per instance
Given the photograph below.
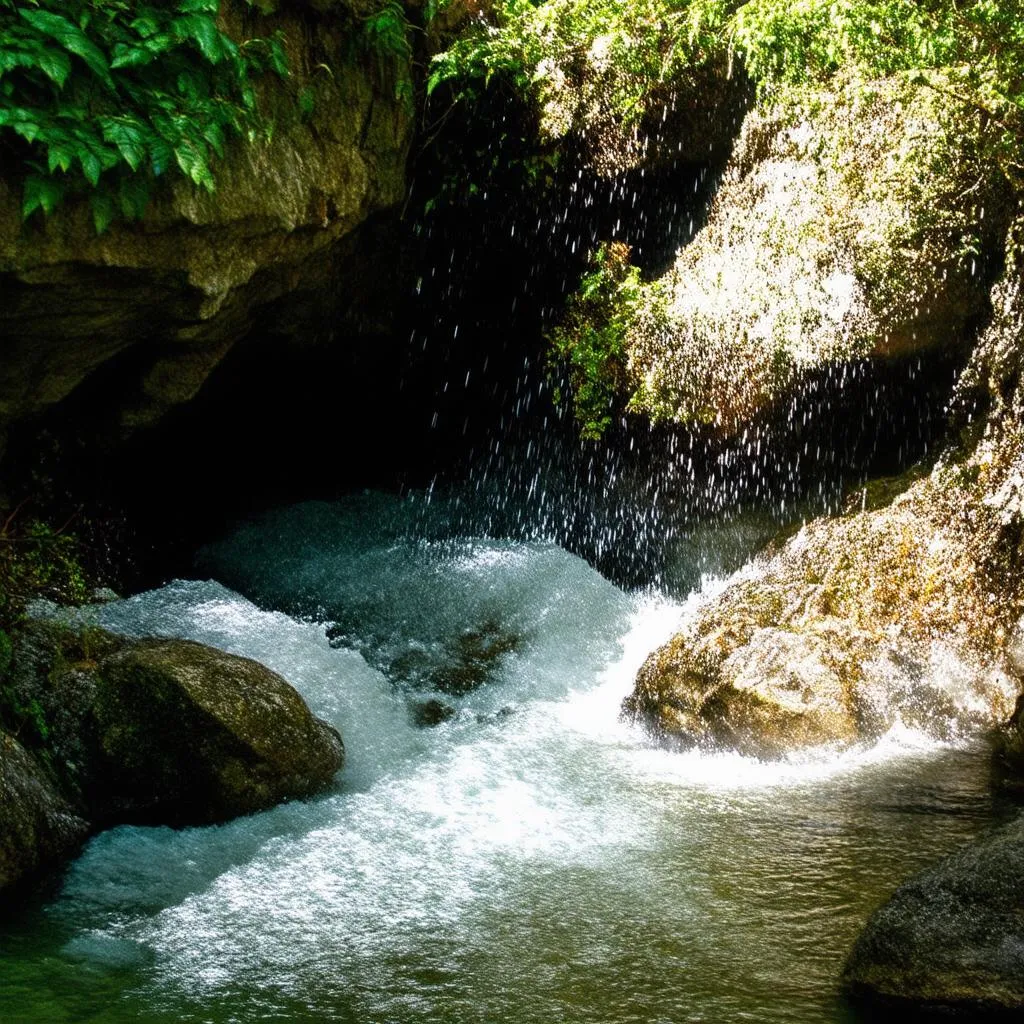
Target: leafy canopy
x=634 y=48
x=105 y=96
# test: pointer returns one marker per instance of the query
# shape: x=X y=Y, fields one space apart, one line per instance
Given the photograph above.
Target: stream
x=532 y=858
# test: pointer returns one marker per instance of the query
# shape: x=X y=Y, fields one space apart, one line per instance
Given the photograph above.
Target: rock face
x=165 y=300
x=900 y=610
x=38 y=827
x=953 y=936
x=164 y=731
x=838 y=233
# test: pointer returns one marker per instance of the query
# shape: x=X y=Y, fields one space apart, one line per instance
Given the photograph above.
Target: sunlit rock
x=953 y=936
x=847 y=228
x=901 y=610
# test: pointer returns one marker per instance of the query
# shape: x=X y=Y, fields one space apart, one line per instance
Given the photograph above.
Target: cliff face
x=168 y=297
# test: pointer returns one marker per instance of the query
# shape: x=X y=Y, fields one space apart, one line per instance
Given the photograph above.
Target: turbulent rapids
x=531 y=858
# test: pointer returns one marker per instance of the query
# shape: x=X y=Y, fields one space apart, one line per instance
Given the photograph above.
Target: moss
x=849 y=225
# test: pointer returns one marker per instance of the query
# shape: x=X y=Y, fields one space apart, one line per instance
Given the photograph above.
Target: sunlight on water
x=534 y=858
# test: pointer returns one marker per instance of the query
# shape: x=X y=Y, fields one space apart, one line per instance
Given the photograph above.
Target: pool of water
x=532 y=859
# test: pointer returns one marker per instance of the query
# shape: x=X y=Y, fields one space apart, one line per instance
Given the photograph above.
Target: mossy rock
x=188 y=734
x=846 y=228
x=38 y=827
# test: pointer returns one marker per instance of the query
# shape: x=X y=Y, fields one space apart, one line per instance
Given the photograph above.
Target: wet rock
x=1015 y=651
x=428 y=713
x=158 y=731
x=905 y=608
x=472 y=658
x=186 y=733
x=953 y=936
x=452 y=666
x=38 y=827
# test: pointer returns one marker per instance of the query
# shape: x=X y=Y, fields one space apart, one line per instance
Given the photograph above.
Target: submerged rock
x=428 y=713
x=953 y=936
x=38 y=827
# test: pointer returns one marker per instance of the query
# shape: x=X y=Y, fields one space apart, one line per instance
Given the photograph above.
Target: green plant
x=590 y=341
x=386 y=36
x=105 y=96
x=38 y=560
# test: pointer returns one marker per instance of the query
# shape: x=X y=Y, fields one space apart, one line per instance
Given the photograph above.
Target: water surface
x=532 y=859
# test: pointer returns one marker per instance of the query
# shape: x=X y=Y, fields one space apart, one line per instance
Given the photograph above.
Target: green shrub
x=105 y=96
x=573 y=57
x=590 y=341
x=38 y=561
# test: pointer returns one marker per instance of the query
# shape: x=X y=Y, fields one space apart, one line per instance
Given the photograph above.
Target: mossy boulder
x=38 y=826
x=186 y=733
x=953 y=936
x=902 y=609
x=110 y=730
x=847 y=226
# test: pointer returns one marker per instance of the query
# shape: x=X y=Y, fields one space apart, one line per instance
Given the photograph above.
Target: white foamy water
x=534 y=858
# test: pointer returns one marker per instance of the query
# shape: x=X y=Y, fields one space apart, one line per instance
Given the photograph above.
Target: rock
x=111 y=730
x=1015 y=651
x=38 y=827
x=822 y=248
x=186 y=733
x=856 y=623
x=160 y=303
x=905 y=608
x=428 y=713
x=953 y=936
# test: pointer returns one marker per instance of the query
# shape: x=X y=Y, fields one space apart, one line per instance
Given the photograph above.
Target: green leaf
x=72 y=38
x=103 y=211
x=41 y=194
x=56 y=65
x=91 y=166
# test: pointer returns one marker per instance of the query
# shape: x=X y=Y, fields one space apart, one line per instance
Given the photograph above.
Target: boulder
x=837 y=234
x=188 y=734
x=904 y=608
x=38 y=827
x=953 y=936
x=171 y=732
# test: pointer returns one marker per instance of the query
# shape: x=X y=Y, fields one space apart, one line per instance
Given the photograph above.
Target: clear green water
x=535 y=859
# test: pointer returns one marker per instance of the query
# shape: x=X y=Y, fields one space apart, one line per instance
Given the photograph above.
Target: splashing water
x=534 y=858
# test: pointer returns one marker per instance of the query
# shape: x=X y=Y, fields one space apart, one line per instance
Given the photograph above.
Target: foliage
x=385 y=35
x=971 y=50
x=37 y=560
x=104 y=96
x=591 y=338
x=630 y=51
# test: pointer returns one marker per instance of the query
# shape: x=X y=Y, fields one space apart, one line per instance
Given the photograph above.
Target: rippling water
x=533 y=859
